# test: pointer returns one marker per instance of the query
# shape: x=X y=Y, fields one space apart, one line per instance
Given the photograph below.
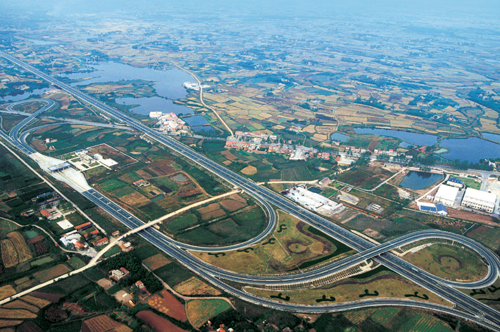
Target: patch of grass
x=144 y=252
x=449 y=262
x=383 y=284
x=94 y=274
x=199 y=311
x=112 y=184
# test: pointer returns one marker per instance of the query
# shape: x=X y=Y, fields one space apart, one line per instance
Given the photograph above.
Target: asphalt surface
x=481 y=313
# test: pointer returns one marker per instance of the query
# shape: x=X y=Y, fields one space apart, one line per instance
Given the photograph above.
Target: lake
x=412 y=138
x=23 y=96
x=150 y=104
x=339 y=137
x=471 y=149
x=419 y=180
x=168 y=83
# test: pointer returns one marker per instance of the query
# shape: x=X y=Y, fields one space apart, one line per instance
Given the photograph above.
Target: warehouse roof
x=447 y=193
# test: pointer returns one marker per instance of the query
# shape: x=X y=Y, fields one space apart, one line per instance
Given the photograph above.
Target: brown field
x=40 y=303
x=9 y=253
x=166 y=303
x=6 y=323
x=16 y=314
x=232 y=205
x=103 y=323
x=238 y=198
x=162 y=167
x=23 y=251
x=42 y=130
x=156 y=261
x=189 y=191
x=228 y=155
x=157 y=323
x=39 y=145
x=51 y=273
x=213 y=214
x=249 y=170
x=35 y=239
x=39 y=299
x=194 y=286
x=209 y=208
x=471 y=216
x=134 y=199
x=143 y=174
x=6 y=291
x=18 y=304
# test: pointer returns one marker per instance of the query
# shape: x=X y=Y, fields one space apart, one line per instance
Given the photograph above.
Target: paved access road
x=482 y=312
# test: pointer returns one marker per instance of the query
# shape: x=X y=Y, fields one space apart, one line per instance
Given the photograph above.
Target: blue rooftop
x=455 y=180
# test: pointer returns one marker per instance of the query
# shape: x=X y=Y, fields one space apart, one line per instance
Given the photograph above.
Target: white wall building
x=446 y=195
x=479 y=200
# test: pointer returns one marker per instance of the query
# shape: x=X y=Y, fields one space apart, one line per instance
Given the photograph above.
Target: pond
x=315 y=190
x=471 y=149
x=412 y=138
x=146 y=105
x=492 y=137
x=419 y=180
x=204 y=129
x=339 y=137
x=196 y=120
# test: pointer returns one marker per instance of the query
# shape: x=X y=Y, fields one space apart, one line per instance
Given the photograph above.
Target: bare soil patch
x=471 y=216
x=249 y=170
x=166 y=303
x=134 y=199
x=159 y=324
x=232 y=205
x=156 y=261
x=209 y=208
x=228 y=155
x=213 y=214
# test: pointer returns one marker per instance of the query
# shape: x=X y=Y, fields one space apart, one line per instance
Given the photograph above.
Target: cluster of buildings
x=256 y=137
x=94 y=159
x=118 y=274
x=169 y=122
x=313 y=201
x=453 y=194
x=255 y=145
x=83 y=235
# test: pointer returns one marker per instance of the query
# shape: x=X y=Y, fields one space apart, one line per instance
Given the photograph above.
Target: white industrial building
x=479 y=200
x=313 y=201
x=446 y=195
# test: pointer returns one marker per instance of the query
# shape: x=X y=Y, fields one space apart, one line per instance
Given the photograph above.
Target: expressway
x=483 y=313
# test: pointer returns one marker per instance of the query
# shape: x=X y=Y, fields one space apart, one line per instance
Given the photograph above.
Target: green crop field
x=112 y=184
x=173 y=274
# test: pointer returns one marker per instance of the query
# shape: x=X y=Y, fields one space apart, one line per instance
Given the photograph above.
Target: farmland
x=230 y=221
x=166 y=303
x=194 y=286
x=199 y=311
x=157 y=322
x=365 y=177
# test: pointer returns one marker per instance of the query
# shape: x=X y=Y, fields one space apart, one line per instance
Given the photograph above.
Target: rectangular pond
x=420 y=180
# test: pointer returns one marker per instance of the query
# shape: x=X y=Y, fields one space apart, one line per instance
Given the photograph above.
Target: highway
x=482 y=312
